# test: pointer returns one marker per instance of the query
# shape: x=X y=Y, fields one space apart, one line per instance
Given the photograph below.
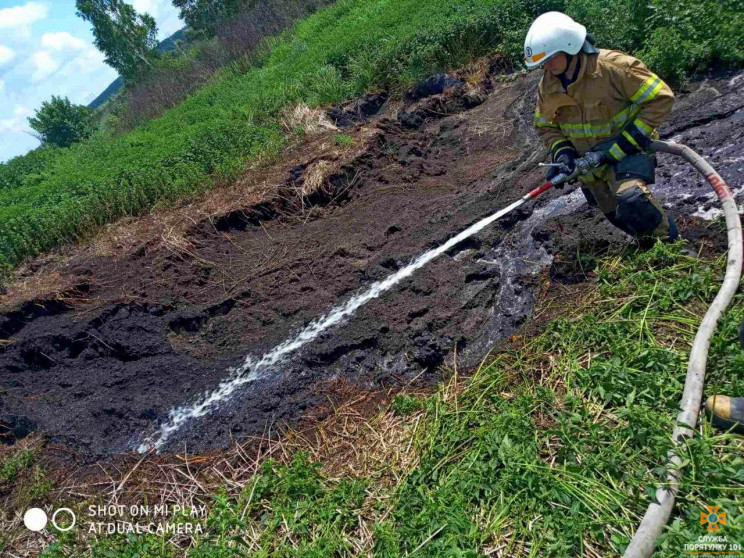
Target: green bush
x=60 y=123
x=687 y=36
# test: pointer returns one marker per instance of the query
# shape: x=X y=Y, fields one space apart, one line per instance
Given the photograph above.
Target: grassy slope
x=336 y=53
x=552 y=448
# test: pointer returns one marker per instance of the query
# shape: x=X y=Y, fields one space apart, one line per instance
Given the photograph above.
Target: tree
x=58 y=122
x=127 y=38
x=203 y=16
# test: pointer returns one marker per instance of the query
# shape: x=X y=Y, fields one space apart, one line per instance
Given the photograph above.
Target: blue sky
x=45 y=50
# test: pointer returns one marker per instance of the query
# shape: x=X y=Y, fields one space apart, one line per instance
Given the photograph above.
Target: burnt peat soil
x=99 y=365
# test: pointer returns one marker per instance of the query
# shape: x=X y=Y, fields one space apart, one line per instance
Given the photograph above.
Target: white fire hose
x=658 y=512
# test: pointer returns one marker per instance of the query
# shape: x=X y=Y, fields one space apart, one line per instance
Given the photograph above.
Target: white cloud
x=18 y=121
x=151 y=7
x=2 y=86
x=45 y=66
x=62 y=41
x=87 y=62
x=20 y=18
x=164 y=12
x=6 y=54
x=75 y=57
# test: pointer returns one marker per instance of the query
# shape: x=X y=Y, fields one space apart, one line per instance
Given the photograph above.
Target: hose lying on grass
x=658 y=512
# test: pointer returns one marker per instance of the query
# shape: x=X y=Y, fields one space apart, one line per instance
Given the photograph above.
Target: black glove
x=566 y=160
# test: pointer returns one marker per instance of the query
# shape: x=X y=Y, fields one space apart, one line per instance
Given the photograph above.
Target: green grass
x=554 y=447
x=562 y=441
x=334 y=54
x=14 y=464
x=343 y=140
x=54 y=196
x=22 y=482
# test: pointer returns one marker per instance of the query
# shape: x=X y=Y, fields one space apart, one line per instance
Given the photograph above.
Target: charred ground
x=139 y=331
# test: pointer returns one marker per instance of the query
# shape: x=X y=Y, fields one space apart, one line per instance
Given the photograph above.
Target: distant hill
x=166 y=45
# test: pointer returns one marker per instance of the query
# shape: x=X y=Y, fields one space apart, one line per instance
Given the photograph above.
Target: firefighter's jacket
x=614 y=96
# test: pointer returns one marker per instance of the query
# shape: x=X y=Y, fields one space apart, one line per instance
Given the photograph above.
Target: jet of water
x=252 y=370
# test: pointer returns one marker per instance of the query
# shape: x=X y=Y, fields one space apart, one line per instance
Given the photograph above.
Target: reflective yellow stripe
x=653 y=93
x=542 y=122
x=643 y=127
x=617 y=153
x=556 y=143
x=586 y=130
x=646 y=92
x=646 y=89
x=621 y=117
x=632 y=141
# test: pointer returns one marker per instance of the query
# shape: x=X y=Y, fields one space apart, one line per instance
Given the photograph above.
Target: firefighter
x=605 y=101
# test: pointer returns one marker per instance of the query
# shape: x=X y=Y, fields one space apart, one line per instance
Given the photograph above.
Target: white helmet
x=550 y=33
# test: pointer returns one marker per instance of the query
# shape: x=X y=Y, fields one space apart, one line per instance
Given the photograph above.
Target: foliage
x=204 y=16
x=14 y=171
x=334 y=54
x=12 y=465
x=241 y=42
x=404 y=405
x=616 y=25
x=557 y=446
x=687 y=36
x=60 y=123
x=127 y=38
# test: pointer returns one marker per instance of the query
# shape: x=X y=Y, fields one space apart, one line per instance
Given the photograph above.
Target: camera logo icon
x=63 y=519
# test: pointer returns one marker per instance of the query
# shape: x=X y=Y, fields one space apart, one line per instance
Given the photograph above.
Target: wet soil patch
x=177 y=315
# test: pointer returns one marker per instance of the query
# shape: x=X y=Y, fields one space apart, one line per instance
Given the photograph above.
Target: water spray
x=657 y=515
x=252 y=370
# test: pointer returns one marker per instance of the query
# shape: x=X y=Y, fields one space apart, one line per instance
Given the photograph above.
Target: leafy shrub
x=18 y=170
x=686 y=36
x=615 y=25
x=59 y=123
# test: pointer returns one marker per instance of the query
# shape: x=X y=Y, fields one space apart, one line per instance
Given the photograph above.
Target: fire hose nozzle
x=591 y=160
x=582 y=165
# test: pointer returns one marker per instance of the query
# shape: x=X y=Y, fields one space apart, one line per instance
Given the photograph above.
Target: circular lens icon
x=65 y=527
x=35 y=519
